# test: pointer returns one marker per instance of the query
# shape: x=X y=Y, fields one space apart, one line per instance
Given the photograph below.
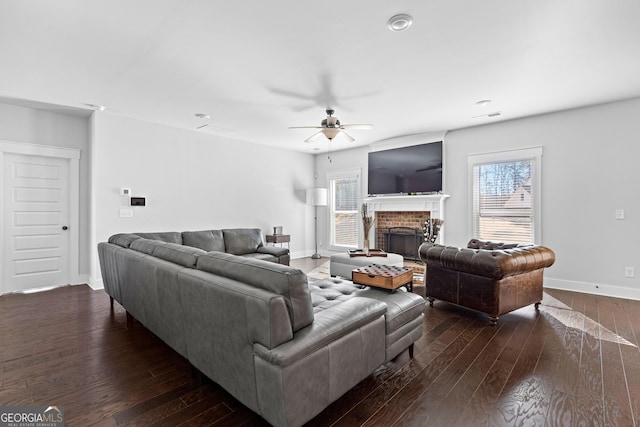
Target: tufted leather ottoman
x=403 y=319
x=342 y=264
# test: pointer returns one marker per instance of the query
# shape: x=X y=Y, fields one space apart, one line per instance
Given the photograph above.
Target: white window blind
x=344 y=210
x=505 y=199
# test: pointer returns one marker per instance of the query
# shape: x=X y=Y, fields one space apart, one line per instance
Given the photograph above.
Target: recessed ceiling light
x=399 y=22
x=96 y=107
x=483 y=103
x=203 y=116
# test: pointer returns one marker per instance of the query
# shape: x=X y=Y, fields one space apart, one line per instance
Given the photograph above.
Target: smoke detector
x=399 y=22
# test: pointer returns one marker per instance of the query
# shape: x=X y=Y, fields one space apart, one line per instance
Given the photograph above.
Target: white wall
x=35 y=126
x=195 y=181
x=590 y=169
x=340 y=160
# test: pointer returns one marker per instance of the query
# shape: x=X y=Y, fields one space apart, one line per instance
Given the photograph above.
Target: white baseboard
x=96 y=284
x=81 y=279
x=592 y=288
x=307 y=254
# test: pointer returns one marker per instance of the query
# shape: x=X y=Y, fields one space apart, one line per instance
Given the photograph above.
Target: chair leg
x=111 y=302
x=537 y=306
x=411 y=351
x=493 y=320
x=431 y=300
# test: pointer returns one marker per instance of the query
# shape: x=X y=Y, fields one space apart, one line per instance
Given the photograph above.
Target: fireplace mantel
x=434 y=204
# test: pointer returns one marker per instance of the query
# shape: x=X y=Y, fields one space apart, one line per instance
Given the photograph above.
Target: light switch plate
x=619 y=213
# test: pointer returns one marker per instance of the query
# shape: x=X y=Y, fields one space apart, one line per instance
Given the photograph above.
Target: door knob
x=64 y=227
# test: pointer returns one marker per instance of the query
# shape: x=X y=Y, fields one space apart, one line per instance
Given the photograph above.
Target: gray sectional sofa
x=283 y=345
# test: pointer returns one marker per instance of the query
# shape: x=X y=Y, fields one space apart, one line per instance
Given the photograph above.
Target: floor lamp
x=316 y=197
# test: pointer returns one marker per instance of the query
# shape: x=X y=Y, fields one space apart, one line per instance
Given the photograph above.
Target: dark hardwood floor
x=575 y=363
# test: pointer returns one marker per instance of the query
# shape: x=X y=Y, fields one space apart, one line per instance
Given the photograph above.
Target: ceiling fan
x=330 y=127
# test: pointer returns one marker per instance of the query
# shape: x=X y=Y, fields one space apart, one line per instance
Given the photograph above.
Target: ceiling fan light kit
x=331 y=127
x=330 y=133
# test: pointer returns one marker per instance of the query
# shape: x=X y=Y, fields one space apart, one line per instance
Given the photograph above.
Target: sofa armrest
x=328 y=325
x=272 y=250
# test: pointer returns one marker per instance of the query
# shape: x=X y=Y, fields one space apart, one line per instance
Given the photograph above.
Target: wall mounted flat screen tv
x=408 y=170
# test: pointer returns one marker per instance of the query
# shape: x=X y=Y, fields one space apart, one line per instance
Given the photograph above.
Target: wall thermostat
x=138 y=201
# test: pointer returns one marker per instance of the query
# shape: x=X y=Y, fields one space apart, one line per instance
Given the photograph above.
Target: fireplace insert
x=403 y=241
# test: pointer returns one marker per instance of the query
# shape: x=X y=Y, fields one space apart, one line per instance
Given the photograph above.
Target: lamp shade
x=317 y=196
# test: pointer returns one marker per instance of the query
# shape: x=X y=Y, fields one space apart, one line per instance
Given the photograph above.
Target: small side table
x=384 y=276
x=278 y=238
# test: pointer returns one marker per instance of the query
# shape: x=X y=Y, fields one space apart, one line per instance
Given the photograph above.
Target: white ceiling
x=258 y=67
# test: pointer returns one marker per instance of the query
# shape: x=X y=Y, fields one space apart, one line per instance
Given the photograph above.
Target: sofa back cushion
x=280 y=279
x=488 y=245
x=207 y=240
x=185 y=256
x=167 y=236
x=123 y=239
x=241 y=241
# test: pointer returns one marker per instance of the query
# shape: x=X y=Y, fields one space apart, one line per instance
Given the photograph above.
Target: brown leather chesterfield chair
x=493 y=278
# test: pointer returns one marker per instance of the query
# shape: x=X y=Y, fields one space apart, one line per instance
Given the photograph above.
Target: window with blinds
x=344 y=210
x=504 y=201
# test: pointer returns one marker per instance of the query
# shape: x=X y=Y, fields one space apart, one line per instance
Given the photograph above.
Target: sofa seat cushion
x=185 y=256
x=326 y=293
x=280 y=279
x=261 y=256
x=207 y=240
x=241 y=241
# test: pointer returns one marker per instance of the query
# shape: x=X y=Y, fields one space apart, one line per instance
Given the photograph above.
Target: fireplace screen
x=403 y=241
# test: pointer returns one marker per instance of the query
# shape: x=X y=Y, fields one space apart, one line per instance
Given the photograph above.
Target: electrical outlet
x=629 y=272
x=619 y=213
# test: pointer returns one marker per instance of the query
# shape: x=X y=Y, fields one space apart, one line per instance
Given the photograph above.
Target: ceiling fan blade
x=357 y=126
x=349 y=137
x=313 y=136
x=291 y=94
x=305 y=127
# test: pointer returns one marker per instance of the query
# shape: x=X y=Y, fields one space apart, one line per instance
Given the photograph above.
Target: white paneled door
x=35 y=222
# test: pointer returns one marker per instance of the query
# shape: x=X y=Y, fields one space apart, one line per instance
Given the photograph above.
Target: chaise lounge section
x=283 y=346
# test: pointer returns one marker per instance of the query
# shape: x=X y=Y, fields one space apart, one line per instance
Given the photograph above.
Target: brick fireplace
x=400 y=232
x=401 y=218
